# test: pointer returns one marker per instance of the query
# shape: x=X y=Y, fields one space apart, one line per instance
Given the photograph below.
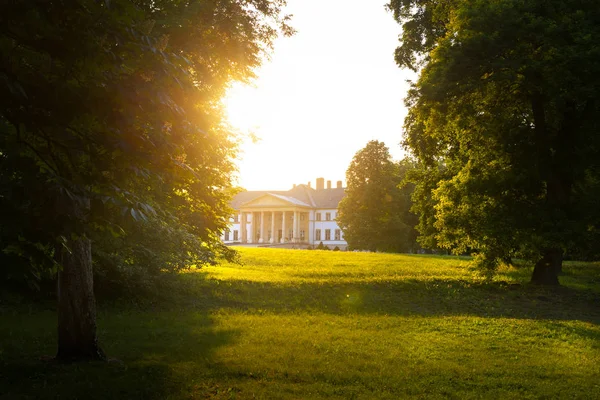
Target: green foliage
x=375 y=213
x=503 y=121
x=405 y=168
x=137 y=260
x=117 y=103
x=321 y=246
x=326 y=325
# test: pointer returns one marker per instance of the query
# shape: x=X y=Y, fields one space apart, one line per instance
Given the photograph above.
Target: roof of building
x=291 y=200
x=300 y=195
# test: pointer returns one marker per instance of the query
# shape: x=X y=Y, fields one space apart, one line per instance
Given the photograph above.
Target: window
x=327 y=216
x=301 y=234
x=318 y=216
x=338 y=234
x=235 y=236
x=301 y=216
x=236 y=218
x=227 y=235
x=327 y=234
x=318 y=234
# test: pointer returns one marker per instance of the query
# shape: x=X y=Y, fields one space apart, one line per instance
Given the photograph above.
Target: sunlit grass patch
x=281 y=265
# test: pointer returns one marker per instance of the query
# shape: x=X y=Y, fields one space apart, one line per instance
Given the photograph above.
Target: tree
x=371 y=214
x=111 y=110
x=406 y=168
x=503 y=121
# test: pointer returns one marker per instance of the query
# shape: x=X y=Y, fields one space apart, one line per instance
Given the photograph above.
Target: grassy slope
x=315 y=324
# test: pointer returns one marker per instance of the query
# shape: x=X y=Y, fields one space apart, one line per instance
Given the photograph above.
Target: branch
x=33 y=149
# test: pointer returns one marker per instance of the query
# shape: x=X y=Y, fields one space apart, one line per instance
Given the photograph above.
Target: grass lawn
x=291 y=324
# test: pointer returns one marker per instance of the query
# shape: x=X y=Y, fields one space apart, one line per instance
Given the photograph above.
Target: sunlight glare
x=325 y=93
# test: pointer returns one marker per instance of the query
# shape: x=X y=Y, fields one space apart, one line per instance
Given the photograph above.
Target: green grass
x=317 y=324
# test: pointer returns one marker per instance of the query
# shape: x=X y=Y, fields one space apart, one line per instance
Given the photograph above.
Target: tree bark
x=546 y=270
x=556 y=153
x=77 y=340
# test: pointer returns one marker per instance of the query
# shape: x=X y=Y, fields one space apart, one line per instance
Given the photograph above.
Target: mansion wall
x=302 y=215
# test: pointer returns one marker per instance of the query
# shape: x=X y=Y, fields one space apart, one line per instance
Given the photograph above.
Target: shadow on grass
x=47 y=380
x=155 y=355
x=414 y=297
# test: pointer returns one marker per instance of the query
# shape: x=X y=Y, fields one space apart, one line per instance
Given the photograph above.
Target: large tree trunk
x=556 y=153
x=76 y=303
x=546 y=270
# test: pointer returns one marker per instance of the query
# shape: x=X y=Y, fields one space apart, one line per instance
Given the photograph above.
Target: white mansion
x=299 y=216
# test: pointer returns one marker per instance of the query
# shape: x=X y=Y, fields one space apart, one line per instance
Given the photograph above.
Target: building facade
x=299 y=216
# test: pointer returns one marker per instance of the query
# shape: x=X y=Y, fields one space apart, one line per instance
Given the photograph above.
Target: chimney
x=320 y=183
x=339 y=184
x=294 y=187
x=328 y=184
x=308 y=183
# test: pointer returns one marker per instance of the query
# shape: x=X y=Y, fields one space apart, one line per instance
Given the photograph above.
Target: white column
x=273 y=233
x=262 y=227
x=300 y=226
x=252 y=227
x=295 y=228
x=283 y=232
x=311 y=227
x=243 y=228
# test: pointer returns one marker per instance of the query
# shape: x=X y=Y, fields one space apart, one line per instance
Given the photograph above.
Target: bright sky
x=324 y=94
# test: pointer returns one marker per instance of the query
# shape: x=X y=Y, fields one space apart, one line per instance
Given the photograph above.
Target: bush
x=321 y=246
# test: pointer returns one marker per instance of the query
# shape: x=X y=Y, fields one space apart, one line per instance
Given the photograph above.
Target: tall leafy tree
x=371 y=214
x=504 y=123
x=407 y=167
x=111 y=114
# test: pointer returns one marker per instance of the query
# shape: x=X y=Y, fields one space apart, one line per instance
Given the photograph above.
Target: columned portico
x=271 y=218
x=273 y=226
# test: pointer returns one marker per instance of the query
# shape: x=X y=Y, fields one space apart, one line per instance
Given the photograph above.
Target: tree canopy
x=112 y=130
x=504 y=122
x=374 y=214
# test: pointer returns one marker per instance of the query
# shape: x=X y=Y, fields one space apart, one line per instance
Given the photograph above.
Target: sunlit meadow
x=292 y=324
